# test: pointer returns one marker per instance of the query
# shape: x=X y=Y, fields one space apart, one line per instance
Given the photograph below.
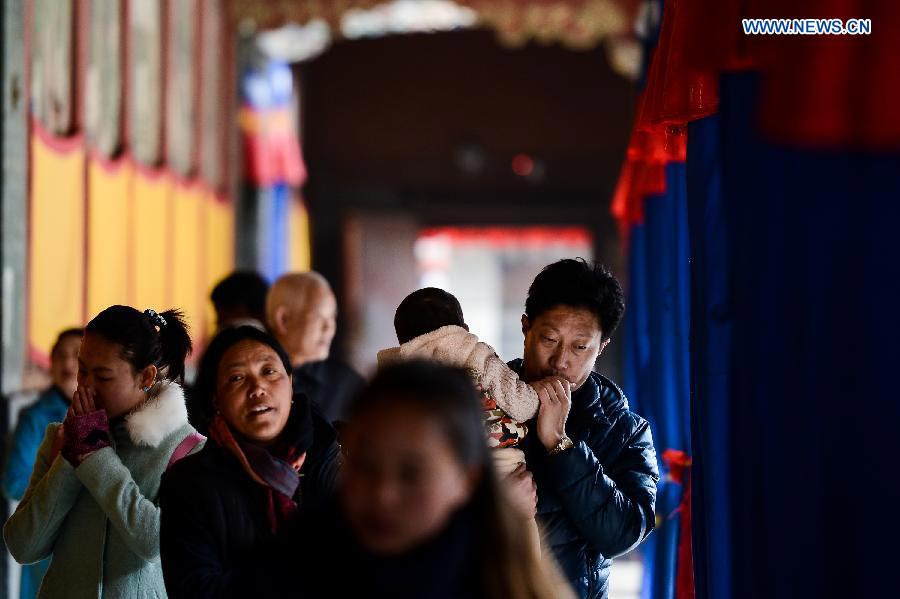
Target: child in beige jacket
x=430 y=325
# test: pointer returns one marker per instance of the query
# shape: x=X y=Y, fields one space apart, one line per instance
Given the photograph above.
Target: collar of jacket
x=597 y=392
x=451 y=344
x=157 y=417
x=58 y=394
x=310 y=371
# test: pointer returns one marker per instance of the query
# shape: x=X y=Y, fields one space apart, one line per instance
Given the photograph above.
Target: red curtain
x=822 y=91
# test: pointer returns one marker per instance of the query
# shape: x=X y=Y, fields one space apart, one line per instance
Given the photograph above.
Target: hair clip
x=155 y=318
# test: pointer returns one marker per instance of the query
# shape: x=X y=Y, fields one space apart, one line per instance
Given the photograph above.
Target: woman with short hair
x=269 y=454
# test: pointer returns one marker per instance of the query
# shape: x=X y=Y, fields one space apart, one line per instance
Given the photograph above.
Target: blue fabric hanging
x=657 y=362
x=796 y=436
x=273 y=234
x=711 y=333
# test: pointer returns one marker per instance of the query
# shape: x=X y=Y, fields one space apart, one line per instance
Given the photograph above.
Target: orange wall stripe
x=187 y=284
x=298 y=230
x=219 y=248
x=151 y=249
x=56 y=242
x=109 y=222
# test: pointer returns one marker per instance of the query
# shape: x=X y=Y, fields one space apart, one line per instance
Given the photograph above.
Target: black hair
x=575 y=283
x=445 y=392
x=200 y=400
x=426 y=310
x=145 y=340
x=506 y=566
x=242 y=290
x=74 y=332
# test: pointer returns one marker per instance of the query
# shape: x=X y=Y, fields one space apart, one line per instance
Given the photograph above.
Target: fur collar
x=158 y=417
x=450 y=345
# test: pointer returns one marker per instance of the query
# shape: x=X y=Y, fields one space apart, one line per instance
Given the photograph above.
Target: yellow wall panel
x=219 y=249
x=299 y=236
x=56 y=241
x=109 y=222
x=187 y=244
x=151 y=243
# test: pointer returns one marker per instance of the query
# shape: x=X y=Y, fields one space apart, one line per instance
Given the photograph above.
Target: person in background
x=592 y=458
x=51 y=406
x=91 y=502
x=240 y=299
x=301 y=312
x=268 y=456
x=420 y=512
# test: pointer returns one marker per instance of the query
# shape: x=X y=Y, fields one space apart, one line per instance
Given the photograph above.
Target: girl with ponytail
x=92 y=501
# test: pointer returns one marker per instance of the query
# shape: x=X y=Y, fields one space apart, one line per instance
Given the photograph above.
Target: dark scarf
x=445 y=567
x=276 y=468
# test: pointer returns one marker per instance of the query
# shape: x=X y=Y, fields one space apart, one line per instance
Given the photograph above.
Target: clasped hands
x=85 y=429
x=555 y=395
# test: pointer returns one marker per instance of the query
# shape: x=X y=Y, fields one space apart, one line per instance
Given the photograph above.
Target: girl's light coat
x=100 y=521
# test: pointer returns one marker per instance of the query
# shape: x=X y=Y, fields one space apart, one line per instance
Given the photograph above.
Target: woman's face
x=64 y=364
x=116 y=386
x=401 y=480
x=253 y=391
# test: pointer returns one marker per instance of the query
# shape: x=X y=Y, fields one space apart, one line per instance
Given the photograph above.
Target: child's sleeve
x=513 y=395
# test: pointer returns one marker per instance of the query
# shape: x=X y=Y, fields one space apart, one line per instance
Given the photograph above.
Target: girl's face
x=401 y=480
x=253 y=391
x=64 y=364
x=117 y=388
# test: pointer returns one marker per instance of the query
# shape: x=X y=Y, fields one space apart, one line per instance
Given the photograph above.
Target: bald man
x=301 y=312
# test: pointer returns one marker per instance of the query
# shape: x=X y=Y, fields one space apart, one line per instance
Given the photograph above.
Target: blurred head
x=301 y=312
x=125 y=354
x=426 y=310
x=415 y=453
x=240 y=296
x=64 y=361
x=571 y=311
x=245 y=376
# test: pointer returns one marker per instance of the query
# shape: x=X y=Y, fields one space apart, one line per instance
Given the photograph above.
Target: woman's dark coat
x=214 y=528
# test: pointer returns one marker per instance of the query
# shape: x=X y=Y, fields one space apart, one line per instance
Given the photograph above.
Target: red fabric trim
x=150 y=173
x=684 y=574
x=644 y=171
x=62 y=145
x=512 y=236
x=833 y=91
x=110 y=166
x=679 y=465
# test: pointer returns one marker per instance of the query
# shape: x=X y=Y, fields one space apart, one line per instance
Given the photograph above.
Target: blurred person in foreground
x=592 y=459
x=301 y=312
x=420 y=511
x=430 y=325
x=51 y=406
x=268 y=456
x=240 y=299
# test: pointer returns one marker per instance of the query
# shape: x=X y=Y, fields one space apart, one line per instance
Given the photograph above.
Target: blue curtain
x=656 y=362
x=796 y=289
x=711 y=334
x=273 y=234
